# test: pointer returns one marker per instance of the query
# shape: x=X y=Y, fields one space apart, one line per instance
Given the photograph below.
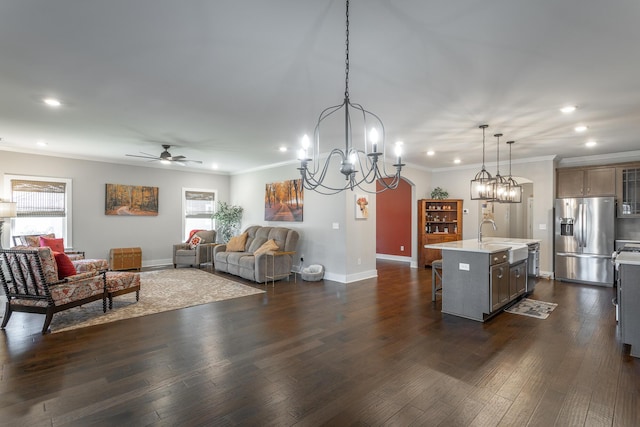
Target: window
x=43 y=206
x=198 y=206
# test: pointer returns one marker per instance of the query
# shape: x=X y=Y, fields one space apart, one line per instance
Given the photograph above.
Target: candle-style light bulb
x=374 y=138
x=398 y=151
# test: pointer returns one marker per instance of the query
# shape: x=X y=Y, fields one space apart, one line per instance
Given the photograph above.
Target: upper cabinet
x=586 y=182
x=628 y=184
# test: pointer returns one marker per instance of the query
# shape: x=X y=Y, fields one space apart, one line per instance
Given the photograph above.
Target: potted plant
x=439 y=193
x=228 y=218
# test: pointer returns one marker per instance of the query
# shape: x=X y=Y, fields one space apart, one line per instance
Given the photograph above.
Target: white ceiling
x=229 y=82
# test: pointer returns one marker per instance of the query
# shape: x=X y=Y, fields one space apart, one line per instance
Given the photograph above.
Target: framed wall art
x=131 y=200
x=284 y=201
x=362 y=206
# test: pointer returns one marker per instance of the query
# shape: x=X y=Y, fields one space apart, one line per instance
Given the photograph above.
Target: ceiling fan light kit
x=166 y=158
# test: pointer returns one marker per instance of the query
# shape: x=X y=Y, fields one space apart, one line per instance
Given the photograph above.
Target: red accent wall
x=393 y=220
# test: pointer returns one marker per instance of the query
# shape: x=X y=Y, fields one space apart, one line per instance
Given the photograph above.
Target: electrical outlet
x=463 y=266
x=401 y=248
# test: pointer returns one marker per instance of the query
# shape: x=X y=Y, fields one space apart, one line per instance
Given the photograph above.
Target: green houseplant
x=439 y=193
x=228 y=218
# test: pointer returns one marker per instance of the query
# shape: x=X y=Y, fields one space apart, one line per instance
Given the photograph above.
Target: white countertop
x=488 y=245
x=628 y=258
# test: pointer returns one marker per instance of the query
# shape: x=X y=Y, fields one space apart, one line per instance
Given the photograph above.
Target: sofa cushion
x=56 y=245
x=267 y=246
x=256 y=243
x=236 y=243
x=65 y=266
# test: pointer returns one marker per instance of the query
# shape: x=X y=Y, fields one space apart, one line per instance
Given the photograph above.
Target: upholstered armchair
x=195 y=252
x=31 y=283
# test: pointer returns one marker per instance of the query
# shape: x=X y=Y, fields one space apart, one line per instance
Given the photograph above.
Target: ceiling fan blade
x=142 y=157
x=178 y=158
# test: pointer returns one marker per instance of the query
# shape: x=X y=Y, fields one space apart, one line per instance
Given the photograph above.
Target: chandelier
x=361 y=165
x=482 y=187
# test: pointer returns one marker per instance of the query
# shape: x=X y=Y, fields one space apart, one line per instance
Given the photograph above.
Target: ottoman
x=84 y=265
x=120 y=283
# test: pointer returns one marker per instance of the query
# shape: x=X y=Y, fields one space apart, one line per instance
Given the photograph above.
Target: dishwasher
x=534 y=266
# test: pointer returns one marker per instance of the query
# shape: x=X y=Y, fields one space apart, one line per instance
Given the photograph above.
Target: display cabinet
x=628 y=184
x=439 y=220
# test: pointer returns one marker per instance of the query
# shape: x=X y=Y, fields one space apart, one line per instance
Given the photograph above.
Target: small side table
x=274 y=276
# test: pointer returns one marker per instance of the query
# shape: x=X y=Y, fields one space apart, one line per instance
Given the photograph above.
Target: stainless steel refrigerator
x=584 y=239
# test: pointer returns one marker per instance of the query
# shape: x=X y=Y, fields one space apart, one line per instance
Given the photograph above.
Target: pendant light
x=499 y=182
x=514 y=190
x=482 y=185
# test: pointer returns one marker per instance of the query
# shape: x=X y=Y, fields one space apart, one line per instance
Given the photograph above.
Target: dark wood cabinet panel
x=439 y=220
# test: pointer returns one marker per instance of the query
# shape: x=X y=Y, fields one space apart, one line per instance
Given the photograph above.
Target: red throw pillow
x=65 y=266
x=56 y=245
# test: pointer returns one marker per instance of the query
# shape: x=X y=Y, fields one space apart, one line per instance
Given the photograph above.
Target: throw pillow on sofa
x=56 y=245
x=195 y=241
x=267 y=246
x=65 y=266
x=236 y=244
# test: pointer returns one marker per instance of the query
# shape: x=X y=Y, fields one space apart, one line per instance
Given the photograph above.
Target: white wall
x=339 y=250
x=93 y=231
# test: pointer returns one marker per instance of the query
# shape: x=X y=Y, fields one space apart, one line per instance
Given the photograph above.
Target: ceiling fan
x=166 y=157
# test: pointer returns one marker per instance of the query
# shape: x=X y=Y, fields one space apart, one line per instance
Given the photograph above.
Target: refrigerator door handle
x=579 y=226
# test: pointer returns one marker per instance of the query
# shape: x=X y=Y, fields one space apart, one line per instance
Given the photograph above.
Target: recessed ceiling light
x=590 y=143
x=214 y=166
x=52 y=102
x=568 y=109
x=283 y=149
x=580 y=128
x=41 y=143
x=430 y=153
x=457 y=161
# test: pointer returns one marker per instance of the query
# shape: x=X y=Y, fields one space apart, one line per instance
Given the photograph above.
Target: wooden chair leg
x=47 y=320
x=7 y=314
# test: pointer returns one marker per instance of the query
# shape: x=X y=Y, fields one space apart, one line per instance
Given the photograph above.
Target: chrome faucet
x=485 y=221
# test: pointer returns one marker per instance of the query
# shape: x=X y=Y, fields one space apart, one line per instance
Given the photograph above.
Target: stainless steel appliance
x=533 y=270
x=584 y=239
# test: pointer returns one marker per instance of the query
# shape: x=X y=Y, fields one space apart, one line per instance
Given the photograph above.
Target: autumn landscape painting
x=131 y=200
x=283 y=201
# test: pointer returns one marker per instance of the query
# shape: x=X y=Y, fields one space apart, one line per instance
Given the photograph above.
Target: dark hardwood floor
x=375 y=352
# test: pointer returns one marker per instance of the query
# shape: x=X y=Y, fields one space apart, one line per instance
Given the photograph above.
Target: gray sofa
x=248 y=266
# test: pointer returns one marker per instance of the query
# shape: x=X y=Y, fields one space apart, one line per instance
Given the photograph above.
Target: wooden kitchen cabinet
x=439 y=221
x=586 y=182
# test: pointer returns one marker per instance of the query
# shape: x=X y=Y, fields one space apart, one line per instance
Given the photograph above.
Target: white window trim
x=184 y=207
x=68 y=199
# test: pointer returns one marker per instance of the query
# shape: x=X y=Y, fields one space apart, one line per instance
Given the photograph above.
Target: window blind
x=199 y=204
x=39 y=198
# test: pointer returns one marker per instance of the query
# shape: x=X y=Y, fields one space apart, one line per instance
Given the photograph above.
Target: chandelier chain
x=346 y=60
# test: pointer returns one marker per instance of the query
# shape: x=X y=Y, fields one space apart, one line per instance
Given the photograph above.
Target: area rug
x=532 y=308
x=160 y=290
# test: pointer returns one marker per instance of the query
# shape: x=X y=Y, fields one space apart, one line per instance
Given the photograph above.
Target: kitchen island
x=480 y=278
x=628 y=265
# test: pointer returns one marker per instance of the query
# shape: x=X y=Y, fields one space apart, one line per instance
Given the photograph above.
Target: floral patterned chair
x=31 y=284
x=81 y=264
